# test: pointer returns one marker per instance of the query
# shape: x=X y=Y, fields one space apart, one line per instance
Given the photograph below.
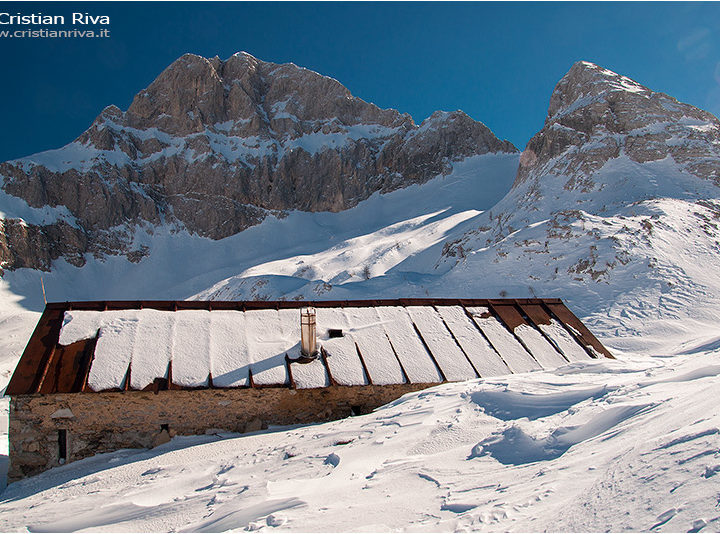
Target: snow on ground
x=636 y=257
x=632 y=444
x=618 y=445
x=16 y=325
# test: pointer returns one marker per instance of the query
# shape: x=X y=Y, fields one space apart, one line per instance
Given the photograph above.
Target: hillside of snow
x=641 y=250
x=311 y=252
x=621 y=445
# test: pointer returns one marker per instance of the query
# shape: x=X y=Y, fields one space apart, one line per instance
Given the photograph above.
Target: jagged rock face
x=214 y=146
x=618 y=193
x=596 y=115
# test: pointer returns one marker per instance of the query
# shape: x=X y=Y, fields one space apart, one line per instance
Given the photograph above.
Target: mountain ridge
x=215 y=147
x=592 y=101
x=616 y=199
x=617 y=212
x=614 y=208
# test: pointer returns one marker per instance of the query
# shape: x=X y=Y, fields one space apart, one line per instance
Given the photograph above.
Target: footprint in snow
x=663 y=518
x=332 y=459
x=151 y=471
x=458 y=508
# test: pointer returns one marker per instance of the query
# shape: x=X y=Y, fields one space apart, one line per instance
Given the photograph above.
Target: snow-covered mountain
x=213 y=147
x=613 y=206
x=616 y=202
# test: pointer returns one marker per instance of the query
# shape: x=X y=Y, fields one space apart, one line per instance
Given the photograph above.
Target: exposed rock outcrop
x=619 y=194
x=214 y=146
x=596 y=115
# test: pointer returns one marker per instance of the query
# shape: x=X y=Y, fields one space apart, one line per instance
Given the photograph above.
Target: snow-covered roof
x=101 y=346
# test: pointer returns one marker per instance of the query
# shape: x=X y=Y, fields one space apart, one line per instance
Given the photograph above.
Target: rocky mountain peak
x=214 y=146
x=180 y=99
x=618 y=190
x=586 y=80
x=596 y=115
x=458 y=131
x=250 y=95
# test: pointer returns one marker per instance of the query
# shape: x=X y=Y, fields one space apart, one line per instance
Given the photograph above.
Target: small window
x=62 y=445
x=335 y=332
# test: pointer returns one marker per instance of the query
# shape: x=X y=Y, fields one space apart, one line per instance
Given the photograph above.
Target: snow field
x=598 y=445
x=308 y=253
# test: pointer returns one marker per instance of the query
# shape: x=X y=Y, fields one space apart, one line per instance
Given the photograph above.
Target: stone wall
x=104 y=422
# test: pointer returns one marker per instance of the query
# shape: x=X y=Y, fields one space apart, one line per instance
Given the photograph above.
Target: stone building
x=100 y=376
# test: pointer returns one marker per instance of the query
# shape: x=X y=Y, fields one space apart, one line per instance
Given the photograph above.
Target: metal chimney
x=308 y=335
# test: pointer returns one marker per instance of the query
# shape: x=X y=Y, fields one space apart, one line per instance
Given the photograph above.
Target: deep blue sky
x=498 y=62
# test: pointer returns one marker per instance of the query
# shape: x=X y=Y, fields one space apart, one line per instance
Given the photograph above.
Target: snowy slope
x=644 y=245
x=621 y=223
x=615 y=209
x=614 y=256
x=379 y=233
x=613 y=445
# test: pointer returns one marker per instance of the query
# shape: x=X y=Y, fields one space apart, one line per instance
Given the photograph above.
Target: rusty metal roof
x=539 y=331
